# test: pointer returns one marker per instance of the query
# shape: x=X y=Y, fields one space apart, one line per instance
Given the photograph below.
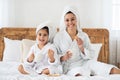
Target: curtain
x=3 y=13
x=114 y=47
x=115 y=30
x=114 y=39
x=7 y=13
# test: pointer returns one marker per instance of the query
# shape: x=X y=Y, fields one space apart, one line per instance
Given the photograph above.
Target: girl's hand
x=80 y=43
x=31 y=58
x=66 y=56
x=51 y=55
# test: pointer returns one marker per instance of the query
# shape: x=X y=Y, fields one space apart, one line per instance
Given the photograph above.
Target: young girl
x=42 y=58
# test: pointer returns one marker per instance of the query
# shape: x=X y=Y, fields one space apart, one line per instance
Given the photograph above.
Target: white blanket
x=8 y=71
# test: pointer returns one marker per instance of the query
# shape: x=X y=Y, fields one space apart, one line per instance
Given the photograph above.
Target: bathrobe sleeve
x=88 y=51
x=56 y=62
x=57 y=45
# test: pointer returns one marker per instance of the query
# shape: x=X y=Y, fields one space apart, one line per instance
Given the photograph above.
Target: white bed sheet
x=8 y=71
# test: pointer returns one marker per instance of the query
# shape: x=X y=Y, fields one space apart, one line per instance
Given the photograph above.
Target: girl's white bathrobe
x=41 y=60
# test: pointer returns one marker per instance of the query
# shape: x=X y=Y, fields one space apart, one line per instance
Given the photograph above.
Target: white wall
x=30 y=13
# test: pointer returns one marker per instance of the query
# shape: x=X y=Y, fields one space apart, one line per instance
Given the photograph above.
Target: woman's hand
x=51 y=55
x=66 y=56
x=31 y=58
x=80 y=43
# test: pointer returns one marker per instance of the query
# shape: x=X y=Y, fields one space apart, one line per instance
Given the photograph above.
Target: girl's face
x=70 y=21
x=42 y=36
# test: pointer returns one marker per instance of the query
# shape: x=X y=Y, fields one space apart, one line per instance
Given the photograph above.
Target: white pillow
x=26 y=45
x=96 y=47
x=12 y=50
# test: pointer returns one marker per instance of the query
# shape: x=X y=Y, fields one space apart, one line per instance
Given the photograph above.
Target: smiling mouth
x=41 y=40
x=71 y=25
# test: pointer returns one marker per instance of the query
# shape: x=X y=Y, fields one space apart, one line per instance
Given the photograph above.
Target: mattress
x=8 y=71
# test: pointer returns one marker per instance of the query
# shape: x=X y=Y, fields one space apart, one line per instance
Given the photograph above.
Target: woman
x=74 y=48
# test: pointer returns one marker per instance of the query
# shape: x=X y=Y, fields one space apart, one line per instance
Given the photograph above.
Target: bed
x=9 y=68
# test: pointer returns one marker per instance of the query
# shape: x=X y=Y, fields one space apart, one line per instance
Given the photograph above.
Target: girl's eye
x=40 y=34
x=45 y=35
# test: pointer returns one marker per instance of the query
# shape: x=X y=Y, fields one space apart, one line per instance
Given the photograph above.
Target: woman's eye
x=66 y=20
x=72 y=19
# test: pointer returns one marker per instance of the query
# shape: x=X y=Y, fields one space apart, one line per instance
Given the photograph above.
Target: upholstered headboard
x=96 y=36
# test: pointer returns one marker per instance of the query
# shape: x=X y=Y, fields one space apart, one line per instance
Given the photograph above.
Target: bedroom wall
x=34 y=12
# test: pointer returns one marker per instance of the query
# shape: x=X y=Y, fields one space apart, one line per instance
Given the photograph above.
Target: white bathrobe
x=79 y=62
x=83 y=64
x=41 y=60
x=64 y=43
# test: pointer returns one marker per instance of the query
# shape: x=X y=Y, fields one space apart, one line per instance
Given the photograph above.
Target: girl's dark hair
x=46 y=28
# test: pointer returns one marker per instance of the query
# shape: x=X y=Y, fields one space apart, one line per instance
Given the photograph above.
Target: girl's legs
x=115 y=71
x=21 y=69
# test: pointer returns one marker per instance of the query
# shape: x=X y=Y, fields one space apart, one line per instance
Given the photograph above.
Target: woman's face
x=42 y=36
x=70 y=21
